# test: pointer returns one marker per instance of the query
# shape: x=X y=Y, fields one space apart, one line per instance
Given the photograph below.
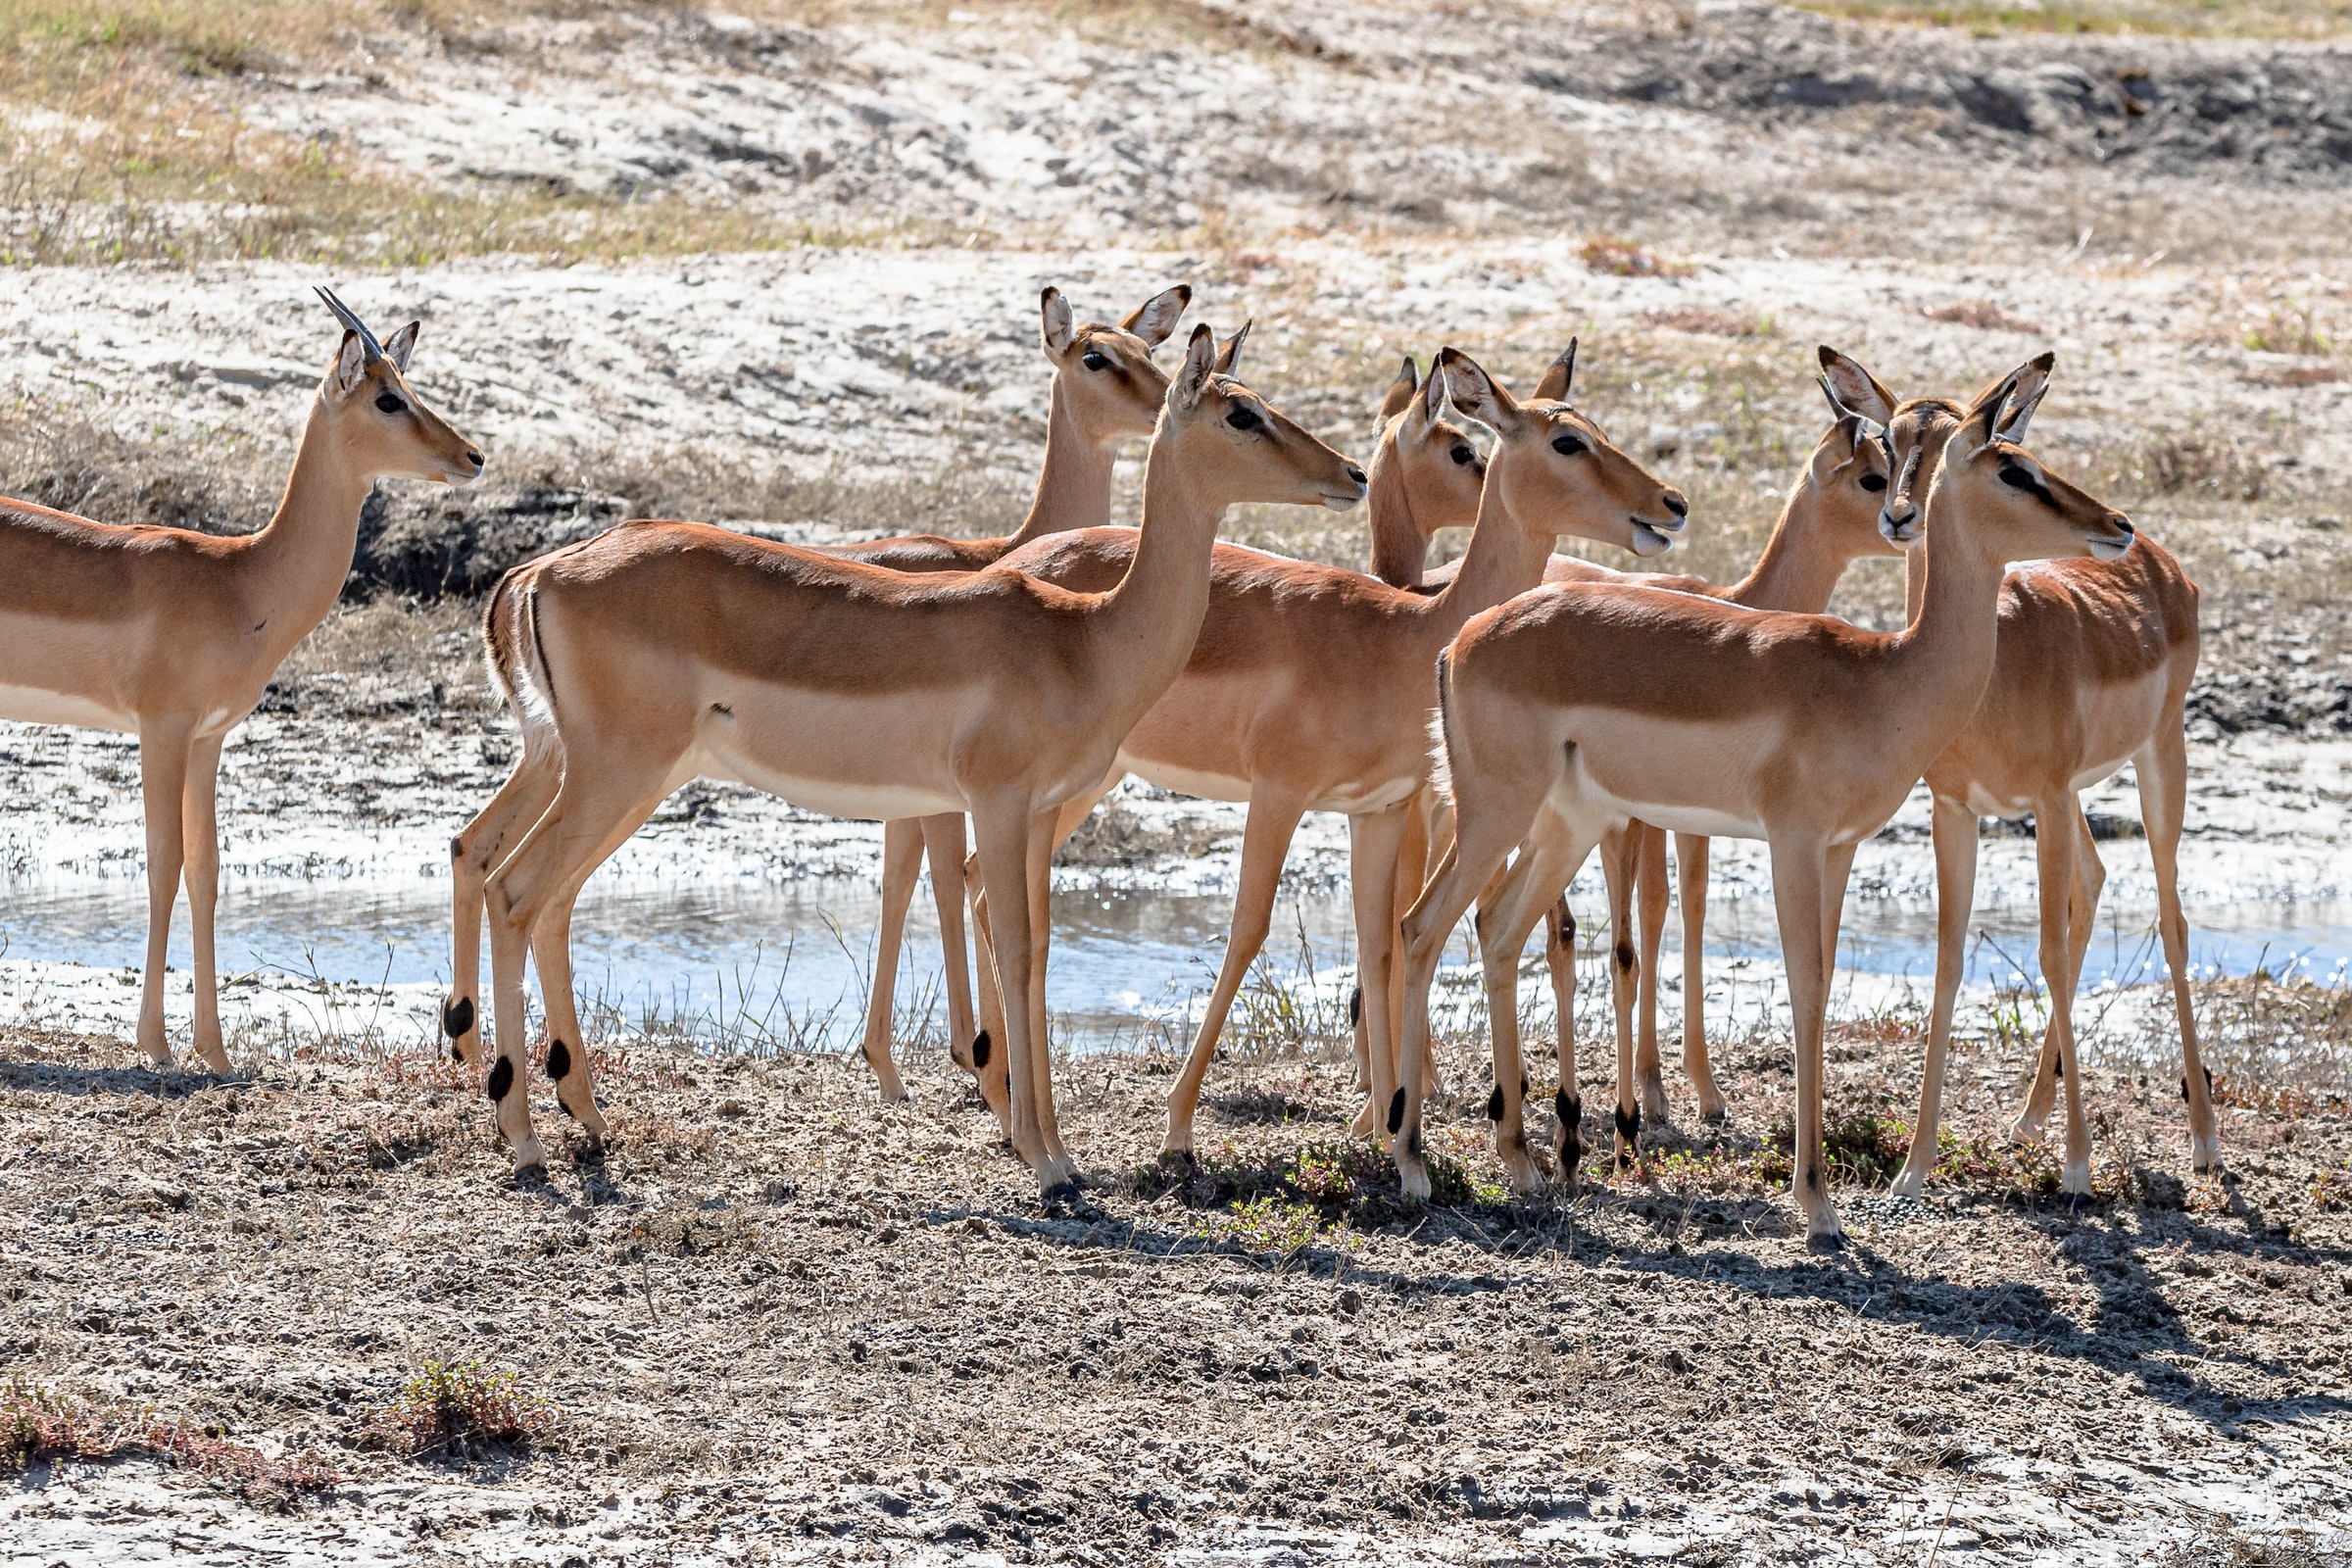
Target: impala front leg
x=1274 y=815
x=1799 y=873
x=1506 y=917
x=1568 y=1100
x=2162 y=767
x=901 y=867
x=943 y=852
x=2055 y=817
x=1000 y=831
x=164 y=747
x=1060 y=1176
x=1379 y=844
x=486 y=840
x=201 y=835
x=1617 y=849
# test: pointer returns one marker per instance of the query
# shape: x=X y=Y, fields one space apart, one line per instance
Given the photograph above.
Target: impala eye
x=1874 y=483
x=390 y=404
x=1093 y=358
x=1245 y=419
x=1568 y=446
x=1462 y=454
x=2017 y=478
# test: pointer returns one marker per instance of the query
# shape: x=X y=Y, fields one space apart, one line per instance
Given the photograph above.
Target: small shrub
x=2291 y=330
x=40 y=1426
x=1622 y=258
x=460 y=1410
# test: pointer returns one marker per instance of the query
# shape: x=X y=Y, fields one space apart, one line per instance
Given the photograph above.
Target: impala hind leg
x=1647 y=848
x=200 y=833
x=2163 y=772
x=1617 y=849
x=164 y=749
x=901 y=867
x=1379 y=844
x=1955 y=835
x=1568 y=1100
x=988 y=1042
x=1690 y=871
x=486 y=840
x=592 y=808
x=1274 y=815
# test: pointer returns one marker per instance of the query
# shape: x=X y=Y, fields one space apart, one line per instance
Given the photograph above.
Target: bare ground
x=785 y=1322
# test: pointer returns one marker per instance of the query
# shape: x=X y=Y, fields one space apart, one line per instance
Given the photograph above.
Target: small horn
x=343 y=313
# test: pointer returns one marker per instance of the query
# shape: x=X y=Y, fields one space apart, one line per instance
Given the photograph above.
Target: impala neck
x=1944 y=656
x=1505 y=559
x=1399 y=549
x=300 y=559
x=1796 y=571
x=1073 y=487
x=1148 y=623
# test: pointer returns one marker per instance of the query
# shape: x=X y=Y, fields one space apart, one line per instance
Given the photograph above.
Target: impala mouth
x=1650 y=539
x=2105 y=549
x=1341 y=500
x=1902 y=532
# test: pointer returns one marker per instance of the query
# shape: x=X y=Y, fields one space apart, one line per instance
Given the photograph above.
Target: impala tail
x=1440 y=767
x=515 y=656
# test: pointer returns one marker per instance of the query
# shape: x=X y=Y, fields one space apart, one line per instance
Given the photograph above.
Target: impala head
x=1552 y=467
x=1846 y=480
x=1104 y=376
x=1426 y=464
x=386 y=430
x=1976 y=464
x=1237 y=446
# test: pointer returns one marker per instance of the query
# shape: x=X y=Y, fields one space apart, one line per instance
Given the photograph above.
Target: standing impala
x=1309 y=687
x=659 y=652
x=1830 y=519
x=2092 y=670
x=1106 y=390
x=1599 y=706
x=172 y=635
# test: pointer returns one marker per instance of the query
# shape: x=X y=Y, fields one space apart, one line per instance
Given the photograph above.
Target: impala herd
x=1484 y=726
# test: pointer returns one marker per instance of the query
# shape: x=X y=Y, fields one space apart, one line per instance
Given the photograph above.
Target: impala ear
x=1399 y=396
x=1157 y=317
x=1475 y=394
x=1981 y=421
x=1229 y=355
x=1559 y=376
x=1055 y=326
x=1433 y=396
x=2033 y=380
x=401 y=344
x=1853 y=390
x=1193 y=377
x=351 y=364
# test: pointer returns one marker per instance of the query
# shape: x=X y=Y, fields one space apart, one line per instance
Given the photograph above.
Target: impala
x=1310 y=685
x=1600 y=706
x=1104 y=390
x=2092 y=670
x=172 y=635
x=1830 y=519
x=659 y=652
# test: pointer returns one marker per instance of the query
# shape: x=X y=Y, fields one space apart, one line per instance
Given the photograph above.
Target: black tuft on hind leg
x=1494 y=1105
x=559 y=1060
x=1397 y=1112
x=457 y=1016
x=502 y=1080
x=980 y=1050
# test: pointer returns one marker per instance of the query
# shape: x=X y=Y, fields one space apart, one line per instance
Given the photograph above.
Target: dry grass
x=2202 y=19
x=125 y=142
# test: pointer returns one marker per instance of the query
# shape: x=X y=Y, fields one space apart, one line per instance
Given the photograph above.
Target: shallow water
x=792 y=959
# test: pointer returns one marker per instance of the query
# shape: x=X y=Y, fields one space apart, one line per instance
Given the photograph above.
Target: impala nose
x=1677 y=505
x=1355 y=474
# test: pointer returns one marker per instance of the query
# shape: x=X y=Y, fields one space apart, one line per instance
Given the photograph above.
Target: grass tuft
x=460 y=1410
x=40 y=1426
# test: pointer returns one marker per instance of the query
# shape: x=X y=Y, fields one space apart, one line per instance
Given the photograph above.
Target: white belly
x=861 y=802
x=1363 y=796
x=29 y=705
x=1187 y=781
